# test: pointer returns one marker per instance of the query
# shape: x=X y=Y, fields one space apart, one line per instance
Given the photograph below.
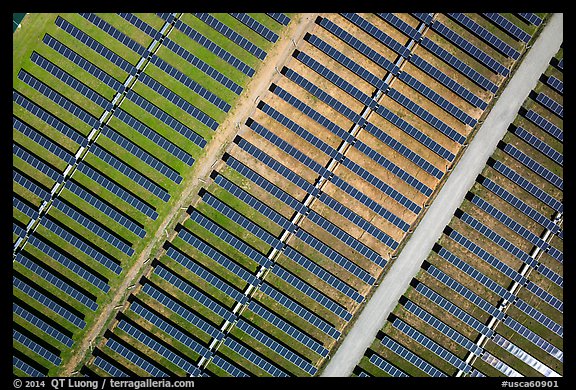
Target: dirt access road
x=255 y=89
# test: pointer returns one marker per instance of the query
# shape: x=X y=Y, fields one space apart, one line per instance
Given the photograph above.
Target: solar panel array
x=508 y=26
x=42 y=325
x=256 y=26
x=550 y=104
x=33 y=346
x=387 y=367
x=534 y=166
x=540 y=145
x=409 y=356
x=135 y=359
x=43 y=141
x=530 y=18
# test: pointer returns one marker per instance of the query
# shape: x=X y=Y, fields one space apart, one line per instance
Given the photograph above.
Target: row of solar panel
x=42 y=325
x=134 y=358
x=550 y=104
x=115 y=33
x=534 y=166
x=540 y=145
x=36 y=163
x=36 y=348
x=410 y=357
x=262 y=30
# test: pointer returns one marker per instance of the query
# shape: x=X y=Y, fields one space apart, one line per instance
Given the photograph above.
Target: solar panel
x=33 y=346
x=109 y=368
x=362 y=147
x=311 y=292
x=194 y=86
x=159 y=348
x=561 y=63
x=134 y=20
x=534 y=166
x=43 y=141
x=24 y=208
x=401 y=25
x=459 y=65
x=522 y=355
x=411 y=357
x=57 y=98
x=95 y=45
x=66 y=262
x=545 y=296
x=540 y=145
x=228 y=367
x=57 y=282
x=262 y=30
x=115 y=33
x=476 y=374
x=154 y=137
x=232 y=35
x=30 y=186
x=135 y=359
x=500 y=365
x=287 y=328
x=202 y=66
x=231 y=240
x=43 y=326
x=484 y=255
x=530 y=18
x=443 y=328
x=551 y=275
x=359 y=46
x=36 y=110
x=556 y=84
x=300 y=311
x=39 y=165
x=550 y=104
x=470 y=49
x=183 y=312
x=169 y=17
x=275 y=346
x=131 y=173
x=214 y=48
x=534 y=338
x=253 y=358
x=218 y=257
x=486 y=35
x=48 y=303
x=508 y=26
x=279 y=17
x=431 y=345
x=88 y=249
x=26 y=368
x=176 y=334
x=538 y=316
x=206 y=275
x=387 y=367
x=467 y=293
x=528 y=186
x=424 y=17
x=195 y=294
x=454 y=310
x=19 y=230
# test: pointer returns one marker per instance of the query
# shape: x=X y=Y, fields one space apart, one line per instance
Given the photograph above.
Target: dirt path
x=255 y=89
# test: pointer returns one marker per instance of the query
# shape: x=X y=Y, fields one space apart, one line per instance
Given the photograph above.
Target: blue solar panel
x=217 y=50
x=195 y=294
x=68 y=263
x=183 y=312
x=135 y=359
x=279 y=17
x=202 y=66
x=401 y=25
x=424 y=17
x=556 y=84
x=540 y=145
x=69 y=132
x=359 y=46
x=57 y=282
x=550 y=104
x=30 y=186
x=232 y=35
x=193 y=86
x=561 y=63
x=43 y=326
x=311 y=292
x=470 y=49
x=154 y=137
x=411 y=357
x=142 y=25
x=34 y=162
x=95 y=45
x=508 y=26
x=534 y=338
x=162 y=115
x=459 y=65
x=538 y=316
x=300 y=310
x=26 y=368
x=275 y=346
x=57 y=98
x=262 y=30
x=131 y=173
x=387 y=367
x=545 y=125
x=218 y=257
x=23 y=207
x=253 y=358
x=228 y=367
x=534 y=166
x=528 y=186
x=43 y=141
x=432 y=346
x=206 y=275
x=48 y=303
x=82 y=246
x=551 y=275
x=115 y=33
x=109 y=368
x=486 y=35
x=530 y=18
x=19 y=230
x=545 y=296
x=287 y=328
x=36 y=348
